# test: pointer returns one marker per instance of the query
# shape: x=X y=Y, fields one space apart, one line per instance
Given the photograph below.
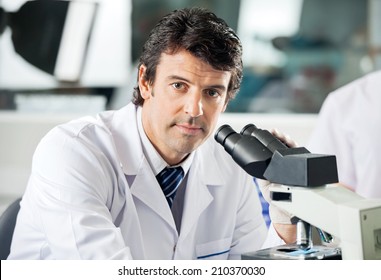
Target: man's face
x=182 y=107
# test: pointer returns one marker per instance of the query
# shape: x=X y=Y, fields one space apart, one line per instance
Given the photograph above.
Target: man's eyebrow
x=175 y=77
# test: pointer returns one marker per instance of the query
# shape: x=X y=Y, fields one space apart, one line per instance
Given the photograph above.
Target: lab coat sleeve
x=348 y=127
x=325 y=134
x=70 y=196
x=330 y=136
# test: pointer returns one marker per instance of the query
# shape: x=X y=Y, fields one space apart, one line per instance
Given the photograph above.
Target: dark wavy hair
x=199 y=32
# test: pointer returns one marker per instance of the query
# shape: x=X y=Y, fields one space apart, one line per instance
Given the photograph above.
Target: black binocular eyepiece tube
x=263 y=156
x=227 y=137
x=264 y=136
x=246 y=150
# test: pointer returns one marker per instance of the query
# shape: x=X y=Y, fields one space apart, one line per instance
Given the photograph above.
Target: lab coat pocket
x=215 y=250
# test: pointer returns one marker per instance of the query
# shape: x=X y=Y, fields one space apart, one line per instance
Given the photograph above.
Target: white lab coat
x=92 y=195
x=349 y=126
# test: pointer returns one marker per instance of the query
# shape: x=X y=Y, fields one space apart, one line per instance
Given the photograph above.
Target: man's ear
x=144 y=85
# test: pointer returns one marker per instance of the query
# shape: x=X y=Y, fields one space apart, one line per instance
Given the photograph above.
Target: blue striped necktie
x=169 y=179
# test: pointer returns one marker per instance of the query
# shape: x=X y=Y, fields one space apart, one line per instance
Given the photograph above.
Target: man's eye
x=178 y=85
x=213 y=93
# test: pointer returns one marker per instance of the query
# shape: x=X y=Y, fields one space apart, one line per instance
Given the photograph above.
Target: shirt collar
x=154 y=159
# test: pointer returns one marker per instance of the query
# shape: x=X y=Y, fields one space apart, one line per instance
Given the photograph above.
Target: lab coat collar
x=126 y=138
x=143 y=183
x=197 y=197
x=146 y=188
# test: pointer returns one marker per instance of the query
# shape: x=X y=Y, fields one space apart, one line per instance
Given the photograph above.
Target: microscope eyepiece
x=222 y=133
x=227 y=137
x=246 y=150
x=248 y=129
x=264 y=136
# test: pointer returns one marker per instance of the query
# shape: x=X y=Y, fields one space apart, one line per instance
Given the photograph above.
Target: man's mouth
x=190 y=129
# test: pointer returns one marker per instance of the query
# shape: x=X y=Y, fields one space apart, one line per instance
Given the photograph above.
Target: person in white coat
x=93 y=192
x=348 y=126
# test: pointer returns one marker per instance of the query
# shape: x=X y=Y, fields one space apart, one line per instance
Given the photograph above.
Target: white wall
x=21 y=132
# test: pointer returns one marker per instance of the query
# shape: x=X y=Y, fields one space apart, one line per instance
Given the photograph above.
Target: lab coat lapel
x=198 y=196
x=197 y=199
x=146 y=188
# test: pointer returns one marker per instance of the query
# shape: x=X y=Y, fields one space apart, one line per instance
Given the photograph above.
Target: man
x=94 y=190
x=348 y=126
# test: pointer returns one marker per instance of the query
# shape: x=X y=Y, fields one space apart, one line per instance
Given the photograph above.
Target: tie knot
x=169 y=179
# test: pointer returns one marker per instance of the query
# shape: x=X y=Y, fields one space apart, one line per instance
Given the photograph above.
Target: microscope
x=348 y=224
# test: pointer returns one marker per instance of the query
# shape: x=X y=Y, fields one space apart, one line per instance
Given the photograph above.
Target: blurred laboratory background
x=78 y=56
x=63 y=59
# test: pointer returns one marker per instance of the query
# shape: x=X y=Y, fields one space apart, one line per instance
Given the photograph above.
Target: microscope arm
x=350 y=218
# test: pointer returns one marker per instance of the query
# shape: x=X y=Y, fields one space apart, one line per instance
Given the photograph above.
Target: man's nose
x=193 y=106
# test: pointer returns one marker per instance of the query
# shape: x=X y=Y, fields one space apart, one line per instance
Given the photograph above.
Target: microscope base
x=293 y=252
